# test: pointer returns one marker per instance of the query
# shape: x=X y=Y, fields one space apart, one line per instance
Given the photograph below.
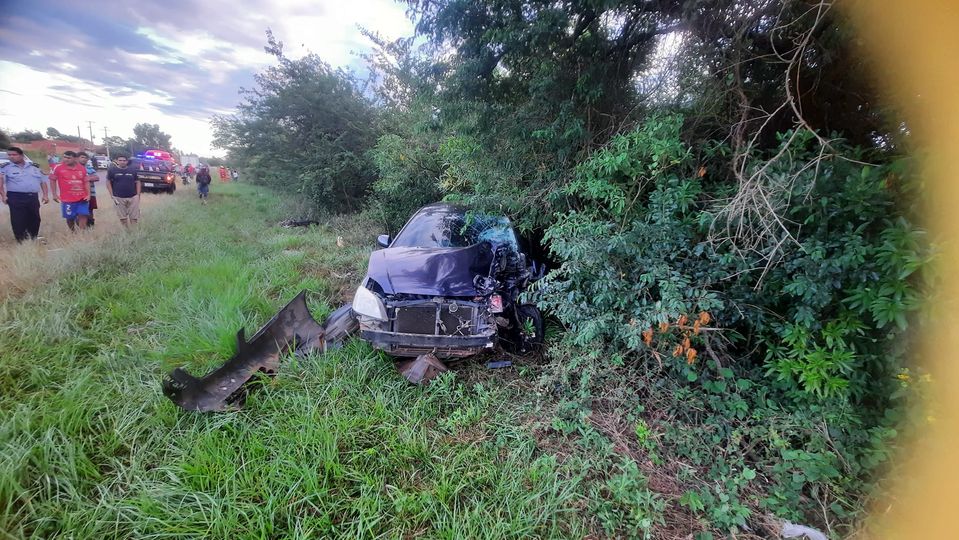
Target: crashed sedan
x=448 y=285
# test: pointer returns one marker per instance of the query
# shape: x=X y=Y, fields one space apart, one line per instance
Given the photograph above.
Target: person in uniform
x=21 y=183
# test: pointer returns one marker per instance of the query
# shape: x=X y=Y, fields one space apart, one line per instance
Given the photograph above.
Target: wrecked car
x=448 y=285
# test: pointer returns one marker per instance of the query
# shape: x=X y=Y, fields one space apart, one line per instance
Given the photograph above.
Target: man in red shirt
x=72 y=190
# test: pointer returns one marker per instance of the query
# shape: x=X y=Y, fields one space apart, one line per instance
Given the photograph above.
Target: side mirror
x=383 y=240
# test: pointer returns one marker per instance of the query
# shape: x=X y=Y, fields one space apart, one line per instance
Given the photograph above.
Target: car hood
x=431 y=271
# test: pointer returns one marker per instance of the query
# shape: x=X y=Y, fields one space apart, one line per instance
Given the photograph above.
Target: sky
x=173 y=63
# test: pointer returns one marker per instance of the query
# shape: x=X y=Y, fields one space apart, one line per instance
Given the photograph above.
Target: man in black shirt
x=125 y=189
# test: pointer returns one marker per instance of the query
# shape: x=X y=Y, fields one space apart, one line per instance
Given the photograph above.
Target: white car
x=103 y=162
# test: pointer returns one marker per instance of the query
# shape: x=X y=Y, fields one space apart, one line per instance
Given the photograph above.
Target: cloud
x=176 y=61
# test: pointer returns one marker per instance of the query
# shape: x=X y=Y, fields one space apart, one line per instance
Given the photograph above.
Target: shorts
x=203 y=189
x=71 y=210
x=128 y=207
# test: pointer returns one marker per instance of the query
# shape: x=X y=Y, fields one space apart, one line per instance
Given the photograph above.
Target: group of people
x=72 y=183
x=228 y=174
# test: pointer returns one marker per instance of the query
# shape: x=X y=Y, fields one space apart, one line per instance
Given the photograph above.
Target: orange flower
x=648 y=336
x=704 y=317
x=663 y=327
x=682 y=320
x=686 y=344
x=678 y=351
x=696 y=327
x=690 y=356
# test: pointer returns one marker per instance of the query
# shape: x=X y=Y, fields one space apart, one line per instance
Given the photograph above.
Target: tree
x=53 y=133
x=27 y=136
x=307 y=128
x=213 y=161
x=4 y=139
x=149 y=135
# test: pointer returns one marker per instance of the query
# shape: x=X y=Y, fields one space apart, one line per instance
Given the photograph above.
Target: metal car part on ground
x=292 y=329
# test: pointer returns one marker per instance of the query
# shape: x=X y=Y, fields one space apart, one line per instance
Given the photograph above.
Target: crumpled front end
x=446 y=327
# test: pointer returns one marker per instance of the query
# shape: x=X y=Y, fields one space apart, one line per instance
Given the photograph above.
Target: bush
x=408 y=179
x=792 y=353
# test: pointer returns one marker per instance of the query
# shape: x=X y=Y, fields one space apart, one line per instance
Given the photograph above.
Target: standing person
x=124 y=188
x=234 y=175
x=222 y=173
x=72 y=190
x=203 y=181
x=93 y=177
x=20 y=183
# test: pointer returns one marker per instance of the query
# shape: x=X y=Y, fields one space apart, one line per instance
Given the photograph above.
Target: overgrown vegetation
x=306 y=128
x=335 y=446
x=729 y=217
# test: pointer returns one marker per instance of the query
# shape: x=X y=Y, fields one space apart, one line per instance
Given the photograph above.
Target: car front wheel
x=526 y=331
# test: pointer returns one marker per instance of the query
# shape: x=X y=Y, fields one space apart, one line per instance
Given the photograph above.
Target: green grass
x=335 y=446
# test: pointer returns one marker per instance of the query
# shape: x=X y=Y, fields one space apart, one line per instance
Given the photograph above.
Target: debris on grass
x=422 y=369
x=498 y=364
x=793 y=530
x=291 y=223
x=292 y=329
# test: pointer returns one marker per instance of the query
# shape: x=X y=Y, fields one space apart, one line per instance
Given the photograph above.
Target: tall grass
x=28 y=265
x=335 y=446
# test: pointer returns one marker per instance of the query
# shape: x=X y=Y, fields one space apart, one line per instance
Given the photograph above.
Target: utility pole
x=105 y=142
x=90 y=125
x=79 y=136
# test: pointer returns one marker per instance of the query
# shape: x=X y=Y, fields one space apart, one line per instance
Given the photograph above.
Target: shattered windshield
x=446 y=228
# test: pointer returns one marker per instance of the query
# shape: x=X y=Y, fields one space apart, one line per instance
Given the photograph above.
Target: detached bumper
x=403 y=344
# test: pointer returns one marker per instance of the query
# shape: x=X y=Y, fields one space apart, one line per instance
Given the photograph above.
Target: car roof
x=441 y=207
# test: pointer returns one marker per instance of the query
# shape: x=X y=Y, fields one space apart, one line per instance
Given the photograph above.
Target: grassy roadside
x=335 y=446
x=26 y=266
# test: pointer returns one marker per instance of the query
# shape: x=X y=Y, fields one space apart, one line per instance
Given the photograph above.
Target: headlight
x=368 y=304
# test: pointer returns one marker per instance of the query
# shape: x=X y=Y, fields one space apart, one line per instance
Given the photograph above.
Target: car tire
x=526 y=332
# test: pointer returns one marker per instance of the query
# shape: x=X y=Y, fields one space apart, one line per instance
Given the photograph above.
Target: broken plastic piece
x=496 y=364
x=293 y=329
x=793 y=530
x=422 y=369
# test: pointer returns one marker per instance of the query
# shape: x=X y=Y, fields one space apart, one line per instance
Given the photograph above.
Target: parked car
x=448 y=284
x=103 y=162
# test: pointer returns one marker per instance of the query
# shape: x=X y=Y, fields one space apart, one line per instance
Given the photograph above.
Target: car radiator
x=432 y=318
